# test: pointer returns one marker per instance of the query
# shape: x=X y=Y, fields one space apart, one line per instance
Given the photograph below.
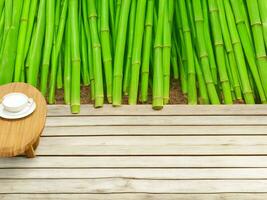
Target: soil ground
x=176 y=96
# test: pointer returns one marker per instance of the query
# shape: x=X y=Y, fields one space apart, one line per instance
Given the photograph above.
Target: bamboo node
x=105 y=30
x=261 y=57
x=257 y=23
x=204 y=55
x=218 y=43
x=211 y=10
x=24 y=20
x=93 y=15
x=239 y=21
x=199 y=19
x=149 y=24
x=136 y=62
x=186 y=30
x=96 y=45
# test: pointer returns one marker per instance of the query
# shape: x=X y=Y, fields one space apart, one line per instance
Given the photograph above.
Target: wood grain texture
x=17 y=136
x=182 y=152
x=154 y=145
x=169 y=110
x=135 y=162
x=153 y=130
x=135 y=196
x=149 y=173
x=127 y=185
x=157 y=120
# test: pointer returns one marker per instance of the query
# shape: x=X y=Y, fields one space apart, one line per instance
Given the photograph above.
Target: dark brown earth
x=176 y=96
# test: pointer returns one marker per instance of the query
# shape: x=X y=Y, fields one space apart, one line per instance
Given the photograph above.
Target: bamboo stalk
x=229 y=50
x=192 y=91
x=219 y=51
x=56 y=50
x=157 y=102
x=247 y=46
x=49 y=34
x=137 y=51
x=203 y=52
x=147 y=51
x=166 y=55
x=106 y=48
x=239 y=55
x=97 y=58
x=75 y=56
x=263 y=13
x=119 y=52
x=8 y=58
x=130 y=37
x=257 y=32
x=21 y=40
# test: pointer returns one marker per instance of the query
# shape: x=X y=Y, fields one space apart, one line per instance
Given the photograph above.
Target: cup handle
x=30 y=101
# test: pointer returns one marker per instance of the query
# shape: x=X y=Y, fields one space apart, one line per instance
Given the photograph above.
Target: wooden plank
x=119 y=185
x=154 y=174
x=136 y=162
x=108 y=110
x=154 y=145
x=156 y=120
x=129 y=196
x=154 y=130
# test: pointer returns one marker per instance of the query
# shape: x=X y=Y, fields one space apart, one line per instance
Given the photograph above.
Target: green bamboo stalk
x=49 y=34
x=7 y=62
x=29 y=34
x=2 y=5
x=127 y=75
x=84 y=55
x=67 y=64
x=147 y=51
x=247 y=46
x=106 y=48
x=157 y=99
x=230 y=75
x=58 y=38
x=244 y=11
x=137 y=51
x=257 y=33
x=207 y=37
x=263 y=13
x=21 y=40
x=89 y=49
x=203 y=52
x=192 y=91
x=166 y=56
x=174 y=63
x=75 y=56
x=203 y=92
x=97 y=60
x=119 y=52
x=183 y=70
x=239 y=55
x=112 y=17
x=117 y=19
x=37 y=44
x=219 y=51
x=8 y=23
x=229 y=49
x=2 y=24
x=60 y=72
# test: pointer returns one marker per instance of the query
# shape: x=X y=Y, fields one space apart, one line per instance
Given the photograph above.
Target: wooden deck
x=129 y=153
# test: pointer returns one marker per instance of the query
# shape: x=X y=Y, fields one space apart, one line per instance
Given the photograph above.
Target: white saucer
x=24 y=113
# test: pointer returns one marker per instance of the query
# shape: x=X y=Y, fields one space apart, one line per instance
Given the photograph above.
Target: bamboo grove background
x=215 y=48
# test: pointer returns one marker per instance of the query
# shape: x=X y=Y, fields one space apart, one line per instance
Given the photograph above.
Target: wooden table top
x=16 y=136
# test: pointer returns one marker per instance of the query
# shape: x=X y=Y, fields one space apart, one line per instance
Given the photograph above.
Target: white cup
x=16 y=102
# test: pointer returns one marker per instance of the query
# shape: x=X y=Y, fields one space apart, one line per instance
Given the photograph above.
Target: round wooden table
x=21 y=136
